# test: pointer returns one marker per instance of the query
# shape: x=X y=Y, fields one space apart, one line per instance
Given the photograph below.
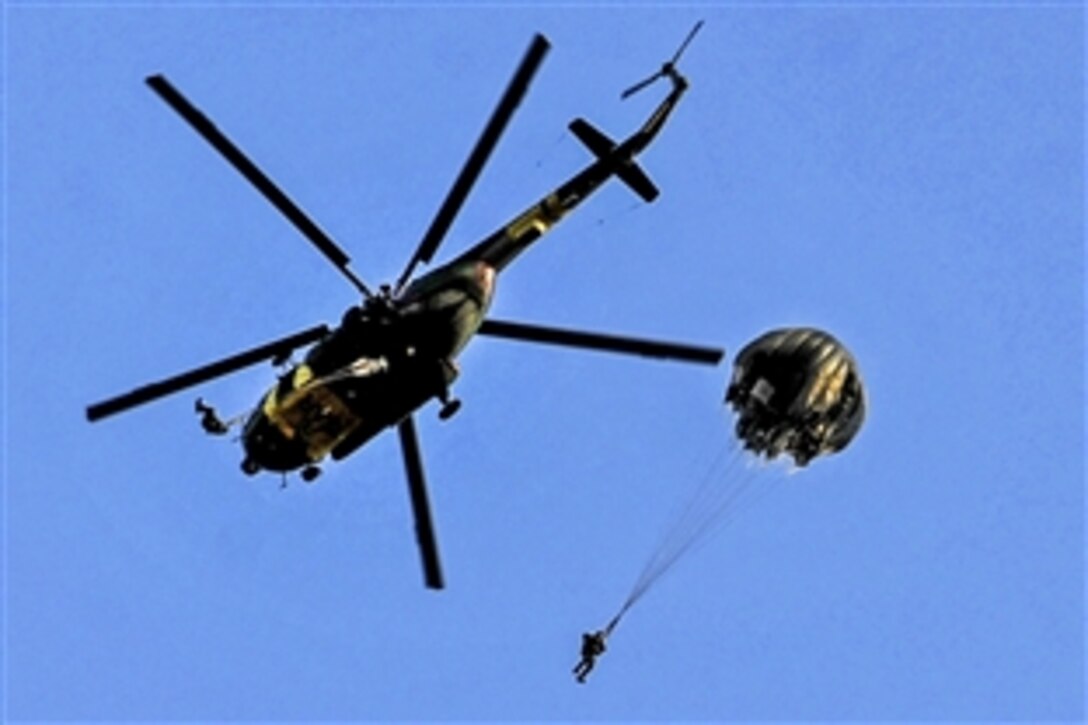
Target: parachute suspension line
x=720 y=491
x=674 y=538
x=710 y=508
x=744 y=496
x=680 y=523
x=687 y=509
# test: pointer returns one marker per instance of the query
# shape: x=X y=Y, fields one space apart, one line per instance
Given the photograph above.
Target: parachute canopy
x=796 y=391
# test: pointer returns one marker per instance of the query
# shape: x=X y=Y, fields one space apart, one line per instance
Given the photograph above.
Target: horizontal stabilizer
x=594 y=140
x=626 y=169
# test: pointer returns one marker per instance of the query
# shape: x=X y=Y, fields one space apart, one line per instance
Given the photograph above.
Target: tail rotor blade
x=640 y=85
x=667 y=67
x=684 y=46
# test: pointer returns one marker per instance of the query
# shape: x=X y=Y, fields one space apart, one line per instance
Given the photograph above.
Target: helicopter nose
x=267 y=448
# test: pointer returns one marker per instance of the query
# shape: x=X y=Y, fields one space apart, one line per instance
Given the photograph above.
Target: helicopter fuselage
x=396 y=352
x=387 y=358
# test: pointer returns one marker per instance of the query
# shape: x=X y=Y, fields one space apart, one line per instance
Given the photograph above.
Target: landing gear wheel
x=310 y=473
x=449 y=409
x=250 y=467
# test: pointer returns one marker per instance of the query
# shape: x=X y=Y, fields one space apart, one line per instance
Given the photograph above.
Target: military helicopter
x=396 y=350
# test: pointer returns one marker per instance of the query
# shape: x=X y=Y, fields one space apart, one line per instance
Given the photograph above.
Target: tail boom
x=503 y=246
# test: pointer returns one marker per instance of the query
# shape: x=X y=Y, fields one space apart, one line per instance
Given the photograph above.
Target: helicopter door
x=312 y=413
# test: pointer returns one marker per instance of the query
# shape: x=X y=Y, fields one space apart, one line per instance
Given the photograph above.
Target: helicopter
x=397 y=349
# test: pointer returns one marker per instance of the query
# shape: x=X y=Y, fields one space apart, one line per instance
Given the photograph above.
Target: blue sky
x=910 y=178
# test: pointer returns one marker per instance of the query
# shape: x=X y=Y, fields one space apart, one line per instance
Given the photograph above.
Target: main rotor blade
x=515 y=91
x=153 y=391
x=202 y=125
x=598 y=341
x=421 y=508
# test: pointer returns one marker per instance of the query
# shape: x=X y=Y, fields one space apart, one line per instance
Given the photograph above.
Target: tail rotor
x=669 y=67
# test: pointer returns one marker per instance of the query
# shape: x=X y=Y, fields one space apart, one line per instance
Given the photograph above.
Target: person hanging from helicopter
x=593 y=645
x=209 y=420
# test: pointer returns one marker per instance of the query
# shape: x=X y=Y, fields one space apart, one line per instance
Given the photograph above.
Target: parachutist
x=592 y=646
x=796 y=393
x=209 y=421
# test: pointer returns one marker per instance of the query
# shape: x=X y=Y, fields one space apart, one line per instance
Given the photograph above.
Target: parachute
x=796 y=392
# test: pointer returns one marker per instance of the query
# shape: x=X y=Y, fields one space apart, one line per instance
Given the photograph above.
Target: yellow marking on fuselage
x=273 y=407
x=310 y=410
x=540 y=218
